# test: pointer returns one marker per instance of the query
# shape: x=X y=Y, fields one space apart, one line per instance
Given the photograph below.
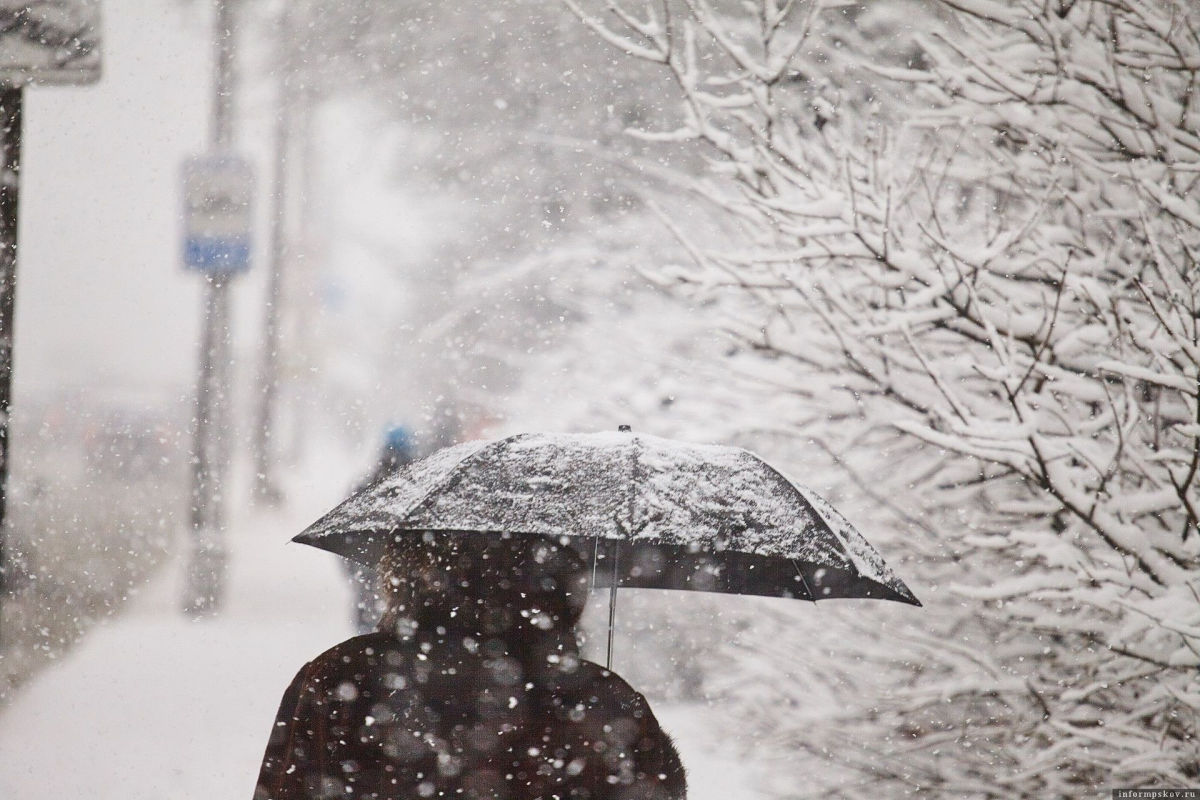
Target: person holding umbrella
x=471 y=687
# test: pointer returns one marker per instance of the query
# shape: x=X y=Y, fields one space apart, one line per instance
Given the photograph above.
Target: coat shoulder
x=355 y=646
x=345 y=659
x=608 y=684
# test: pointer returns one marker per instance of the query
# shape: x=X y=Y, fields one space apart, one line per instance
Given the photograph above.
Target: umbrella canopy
x=649 y=512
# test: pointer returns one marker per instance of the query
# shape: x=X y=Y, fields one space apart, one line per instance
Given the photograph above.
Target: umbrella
x=656 y=513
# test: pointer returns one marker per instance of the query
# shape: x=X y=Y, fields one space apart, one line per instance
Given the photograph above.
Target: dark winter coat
x=476 y=692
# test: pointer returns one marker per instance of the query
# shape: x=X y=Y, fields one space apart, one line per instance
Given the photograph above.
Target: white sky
x=103 y=301
x=102 y=298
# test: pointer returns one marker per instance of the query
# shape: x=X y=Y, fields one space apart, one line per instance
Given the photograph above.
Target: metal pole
x=265 y=488
x=206 y=571
x=224 y=41
x=616 y=550
x=207 y=563
x=612 y=602
x=10 y=183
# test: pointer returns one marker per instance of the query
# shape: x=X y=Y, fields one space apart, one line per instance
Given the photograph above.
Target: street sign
x=217 y=194
x=49 y=41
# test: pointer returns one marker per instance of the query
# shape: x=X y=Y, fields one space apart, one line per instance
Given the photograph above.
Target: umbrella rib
x=811 y=595
x=634 y=483
x=595 y=558
x=789 y=484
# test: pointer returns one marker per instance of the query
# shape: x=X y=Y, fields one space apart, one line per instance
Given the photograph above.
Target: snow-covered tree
x=977 y=223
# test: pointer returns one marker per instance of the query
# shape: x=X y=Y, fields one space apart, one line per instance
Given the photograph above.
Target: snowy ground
x=152 y=705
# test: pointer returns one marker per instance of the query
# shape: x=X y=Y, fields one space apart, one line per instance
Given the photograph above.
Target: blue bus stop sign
x=217 y=194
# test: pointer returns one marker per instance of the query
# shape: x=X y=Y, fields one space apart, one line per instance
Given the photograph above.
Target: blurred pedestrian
x=399 y=448
x=472 y=688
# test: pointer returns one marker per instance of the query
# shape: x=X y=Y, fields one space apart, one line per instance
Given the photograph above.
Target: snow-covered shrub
x=980 y=227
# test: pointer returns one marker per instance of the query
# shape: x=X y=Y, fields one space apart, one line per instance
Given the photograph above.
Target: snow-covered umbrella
x=648 y=512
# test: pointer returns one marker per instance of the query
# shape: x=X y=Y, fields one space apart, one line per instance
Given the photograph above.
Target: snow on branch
x=986 y=236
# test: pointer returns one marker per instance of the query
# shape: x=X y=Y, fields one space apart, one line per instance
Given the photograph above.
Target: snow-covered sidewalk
x=154 y=705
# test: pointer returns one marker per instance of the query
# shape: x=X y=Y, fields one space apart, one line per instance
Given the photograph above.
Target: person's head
x=485 y=585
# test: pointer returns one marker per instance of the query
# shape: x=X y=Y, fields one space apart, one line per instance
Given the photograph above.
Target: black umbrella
x=654 y=513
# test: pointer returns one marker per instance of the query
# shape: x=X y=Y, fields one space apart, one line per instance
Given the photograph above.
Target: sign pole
x=210 y=460
x=207 y=565
x=10 y=142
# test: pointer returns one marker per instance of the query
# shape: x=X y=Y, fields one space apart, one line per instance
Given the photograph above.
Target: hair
x=493 y=585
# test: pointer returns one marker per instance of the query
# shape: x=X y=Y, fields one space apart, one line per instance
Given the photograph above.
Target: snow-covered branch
x=987 y=237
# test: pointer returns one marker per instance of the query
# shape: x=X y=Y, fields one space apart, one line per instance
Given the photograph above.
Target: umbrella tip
x=624 y=429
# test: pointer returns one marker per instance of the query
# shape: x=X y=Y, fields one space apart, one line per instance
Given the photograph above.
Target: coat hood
x=519 y=595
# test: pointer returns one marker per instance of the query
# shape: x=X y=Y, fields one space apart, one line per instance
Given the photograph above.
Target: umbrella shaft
x=612 y=604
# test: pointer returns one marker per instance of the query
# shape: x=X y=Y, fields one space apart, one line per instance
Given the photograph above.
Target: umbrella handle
x=612 y=603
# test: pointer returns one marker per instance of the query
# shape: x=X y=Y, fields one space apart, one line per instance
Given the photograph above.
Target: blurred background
x=936 y=259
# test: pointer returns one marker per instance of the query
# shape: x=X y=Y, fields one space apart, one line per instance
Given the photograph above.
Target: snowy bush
x=978 y=225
